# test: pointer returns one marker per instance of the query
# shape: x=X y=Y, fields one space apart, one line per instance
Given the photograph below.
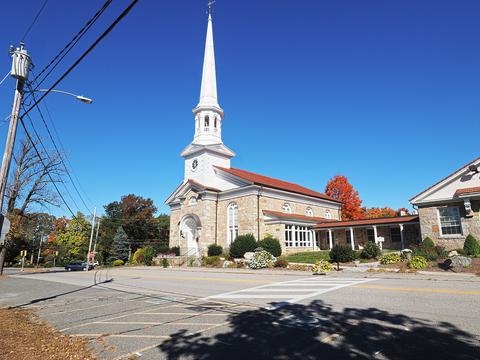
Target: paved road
x=153 y=313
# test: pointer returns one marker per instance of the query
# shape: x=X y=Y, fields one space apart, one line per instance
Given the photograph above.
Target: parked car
x=78 y=266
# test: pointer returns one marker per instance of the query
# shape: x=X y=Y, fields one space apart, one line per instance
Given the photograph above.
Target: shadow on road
x=38 y=300
x=317 y=331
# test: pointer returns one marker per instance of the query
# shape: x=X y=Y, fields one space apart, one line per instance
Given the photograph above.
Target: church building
x=217 y=202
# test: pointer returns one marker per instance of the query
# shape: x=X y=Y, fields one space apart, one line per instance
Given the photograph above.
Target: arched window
x=286 y=209
x=215 y=122
x=309 y=212
x=207 y=123
x=232 y=221
x=192 y=201
x=328 y=214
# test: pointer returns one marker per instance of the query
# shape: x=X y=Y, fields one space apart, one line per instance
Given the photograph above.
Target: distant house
x=449 y=209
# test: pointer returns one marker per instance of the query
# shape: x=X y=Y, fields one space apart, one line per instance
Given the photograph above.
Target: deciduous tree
x=340 y=188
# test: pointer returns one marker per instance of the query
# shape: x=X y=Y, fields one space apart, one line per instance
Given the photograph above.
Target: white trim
x=448 y=180
x=449 y=236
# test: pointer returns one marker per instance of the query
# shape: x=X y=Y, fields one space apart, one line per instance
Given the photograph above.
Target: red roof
x=379 y=221
x=275 y=183
x=296 y=216
x=470 y=190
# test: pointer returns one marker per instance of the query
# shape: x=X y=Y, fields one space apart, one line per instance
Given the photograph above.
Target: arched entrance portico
x=189 y=227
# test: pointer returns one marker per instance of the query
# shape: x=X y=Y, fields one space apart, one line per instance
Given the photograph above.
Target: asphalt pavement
x=155 y=313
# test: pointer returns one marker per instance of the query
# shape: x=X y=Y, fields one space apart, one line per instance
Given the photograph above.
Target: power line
x=72 y=171
x=60 y=155
x=6 y=76
x=46 y=155
x=44 y=166
x=71 y=44
x=85 y=53
x=39 y=12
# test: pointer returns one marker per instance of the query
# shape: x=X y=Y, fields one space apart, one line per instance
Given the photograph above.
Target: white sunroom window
x=232 y=221
x=287 y=209
x=298 y=236
x=450 y=223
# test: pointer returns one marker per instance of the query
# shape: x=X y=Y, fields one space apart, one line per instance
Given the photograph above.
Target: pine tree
x=120 y=245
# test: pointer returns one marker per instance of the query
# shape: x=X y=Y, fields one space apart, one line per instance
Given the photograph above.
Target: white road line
x=318 y=287
x=258 y=296
x=329 y=290
x=180 y=314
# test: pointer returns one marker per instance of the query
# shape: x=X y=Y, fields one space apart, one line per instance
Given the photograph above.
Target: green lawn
x=310 y=257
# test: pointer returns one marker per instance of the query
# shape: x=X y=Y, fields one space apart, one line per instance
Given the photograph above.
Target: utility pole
x=91 y=237
x=39 y=249
x=21 y=64
x=96 y=237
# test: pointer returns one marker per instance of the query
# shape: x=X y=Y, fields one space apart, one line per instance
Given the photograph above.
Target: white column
x=330 y=240
x=375 y=234
x=402 y=239
x=314 y=239
x=352 y=240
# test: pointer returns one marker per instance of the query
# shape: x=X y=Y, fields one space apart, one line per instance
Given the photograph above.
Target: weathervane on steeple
x=210 y=3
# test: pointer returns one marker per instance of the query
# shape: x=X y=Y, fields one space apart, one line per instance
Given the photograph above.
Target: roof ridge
x=444 y=178
x=300 y=188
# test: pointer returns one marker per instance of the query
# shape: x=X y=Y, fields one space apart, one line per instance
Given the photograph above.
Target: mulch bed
x=23 y=336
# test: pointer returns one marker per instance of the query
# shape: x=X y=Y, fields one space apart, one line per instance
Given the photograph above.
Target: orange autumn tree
x=339 y=188
x=374 y=212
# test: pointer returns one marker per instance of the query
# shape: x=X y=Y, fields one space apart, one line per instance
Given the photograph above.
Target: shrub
x=321 y=266
x=211 y=261
x=261 y=260
x=471 y=246
x=118 y=262
x=427 y=243
x=391 y=258
x=214 y=250
x=280 y=263
x=149 y=254
x=175 y=250
x=430 y=253
x=417 y=263
x=271 y=244
x=370 y=251
x=242 y=244
x=139 y=256
x=341 y=254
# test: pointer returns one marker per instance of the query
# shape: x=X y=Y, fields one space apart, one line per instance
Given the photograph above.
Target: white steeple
x=207 y=149
x=208 y=113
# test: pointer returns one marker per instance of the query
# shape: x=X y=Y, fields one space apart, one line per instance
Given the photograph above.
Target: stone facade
x=360 y=235
x=430 y=225
x=213 y=217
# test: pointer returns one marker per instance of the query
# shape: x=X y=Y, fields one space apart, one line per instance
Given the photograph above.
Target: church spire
x=208 y=113
x=208 y=92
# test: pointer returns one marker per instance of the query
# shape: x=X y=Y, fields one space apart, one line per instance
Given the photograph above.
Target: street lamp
x=81 y=98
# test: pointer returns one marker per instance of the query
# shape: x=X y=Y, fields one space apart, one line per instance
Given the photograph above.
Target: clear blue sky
x=384 y=92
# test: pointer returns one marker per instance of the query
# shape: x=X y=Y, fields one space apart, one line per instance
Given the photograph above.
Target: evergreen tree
x=120 y=245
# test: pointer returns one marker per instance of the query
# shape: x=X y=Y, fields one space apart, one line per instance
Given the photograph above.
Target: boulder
x=248 y=256
x=452 y=253
x=457 y=261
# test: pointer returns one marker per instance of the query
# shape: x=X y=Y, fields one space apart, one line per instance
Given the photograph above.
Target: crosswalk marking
x=293 y=291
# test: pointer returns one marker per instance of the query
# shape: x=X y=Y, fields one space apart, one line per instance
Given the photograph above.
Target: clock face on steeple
x=194 y=164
